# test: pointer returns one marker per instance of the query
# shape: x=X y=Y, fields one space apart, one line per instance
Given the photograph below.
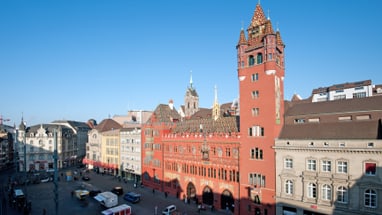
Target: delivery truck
x=107 y=199
x=123 y=209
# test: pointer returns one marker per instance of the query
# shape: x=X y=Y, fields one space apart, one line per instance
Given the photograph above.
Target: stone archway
x=208 y=196
x=227 y=201
x=191 y=191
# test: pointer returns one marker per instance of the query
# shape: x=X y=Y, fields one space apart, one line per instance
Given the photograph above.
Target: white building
x=351 y=90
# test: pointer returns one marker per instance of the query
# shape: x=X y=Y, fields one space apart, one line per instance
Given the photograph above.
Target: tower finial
x=269 y=17
x=216 y=94
x=258 y=2
x=191 y=79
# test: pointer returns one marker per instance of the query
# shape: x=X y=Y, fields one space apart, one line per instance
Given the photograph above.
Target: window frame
x=312 y=191
x=370 y=198
x=288 y=186
x=372 y=166
x=326 y=190
x=311 y=165
x=342 y=167
x=288 y=163
x=342 y=195
x=326 y=166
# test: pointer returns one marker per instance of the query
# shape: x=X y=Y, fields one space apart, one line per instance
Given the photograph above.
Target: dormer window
x=299 y=120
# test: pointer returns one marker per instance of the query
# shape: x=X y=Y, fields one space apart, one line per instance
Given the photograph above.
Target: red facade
x=212 y=161
x=261 y=74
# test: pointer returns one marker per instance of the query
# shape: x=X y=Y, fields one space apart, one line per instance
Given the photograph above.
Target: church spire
x=258 y=16
x=216 y=106
x=216 y=95
x=191 y=79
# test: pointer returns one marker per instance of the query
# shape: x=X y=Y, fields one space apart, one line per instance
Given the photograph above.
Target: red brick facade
x=225 y=163
x=261 y=74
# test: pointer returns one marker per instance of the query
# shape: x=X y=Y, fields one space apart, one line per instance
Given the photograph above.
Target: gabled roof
x=107 y=125
x=163 y=113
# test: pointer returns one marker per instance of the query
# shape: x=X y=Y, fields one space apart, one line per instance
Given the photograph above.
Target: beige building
x=102 y=148
x=115 y=145
x=110 y=150
x=329 y=158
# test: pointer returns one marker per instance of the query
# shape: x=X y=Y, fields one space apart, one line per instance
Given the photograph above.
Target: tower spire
x=216 y=106
x=191 y=79
x=216 y=95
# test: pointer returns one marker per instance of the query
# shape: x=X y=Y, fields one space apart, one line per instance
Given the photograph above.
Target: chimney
x=171 y=104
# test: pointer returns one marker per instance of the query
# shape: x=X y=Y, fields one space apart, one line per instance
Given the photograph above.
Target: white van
x=107 y=199
x=121 y=209
x=169 y=210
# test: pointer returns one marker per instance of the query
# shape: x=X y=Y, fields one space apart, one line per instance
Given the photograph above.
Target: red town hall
x=223 y=157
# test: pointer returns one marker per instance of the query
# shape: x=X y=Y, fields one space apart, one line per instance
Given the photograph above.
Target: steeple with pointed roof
x=258 y=16
x=216 y=106
x=191 y=100
x=260 y=72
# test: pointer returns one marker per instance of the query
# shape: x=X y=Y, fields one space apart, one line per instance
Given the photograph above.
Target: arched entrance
x=208 y=196
x=227 y=201
x=191 y=191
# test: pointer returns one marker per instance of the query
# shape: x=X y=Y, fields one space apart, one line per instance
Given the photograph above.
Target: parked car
x=169 y=210
x=132 y=197
x=85 y=178
x=117 y=190
x=46 y=179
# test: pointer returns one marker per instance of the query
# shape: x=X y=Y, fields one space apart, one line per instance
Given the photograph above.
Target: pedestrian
x=72 y=193
x=44 y=211
x=153 y=191
x=165 y=194
x=156 y=210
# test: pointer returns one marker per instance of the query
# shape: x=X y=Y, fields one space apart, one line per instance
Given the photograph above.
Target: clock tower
x=260 y=67
x=191 y=100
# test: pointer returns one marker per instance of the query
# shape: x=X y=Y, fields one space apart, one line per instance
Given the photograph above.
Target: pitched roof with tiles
x=163 y=113
x=107 y=125
x=329 y=126
x=336 y=130
x=221 y=125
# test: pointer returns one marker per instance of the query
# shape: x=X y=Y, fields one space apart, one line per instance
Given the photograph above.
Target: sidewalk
x=182 y=207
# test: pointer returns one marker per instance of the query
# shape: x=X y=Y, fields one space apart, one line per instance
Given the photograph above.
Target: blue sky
x=82 y=59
